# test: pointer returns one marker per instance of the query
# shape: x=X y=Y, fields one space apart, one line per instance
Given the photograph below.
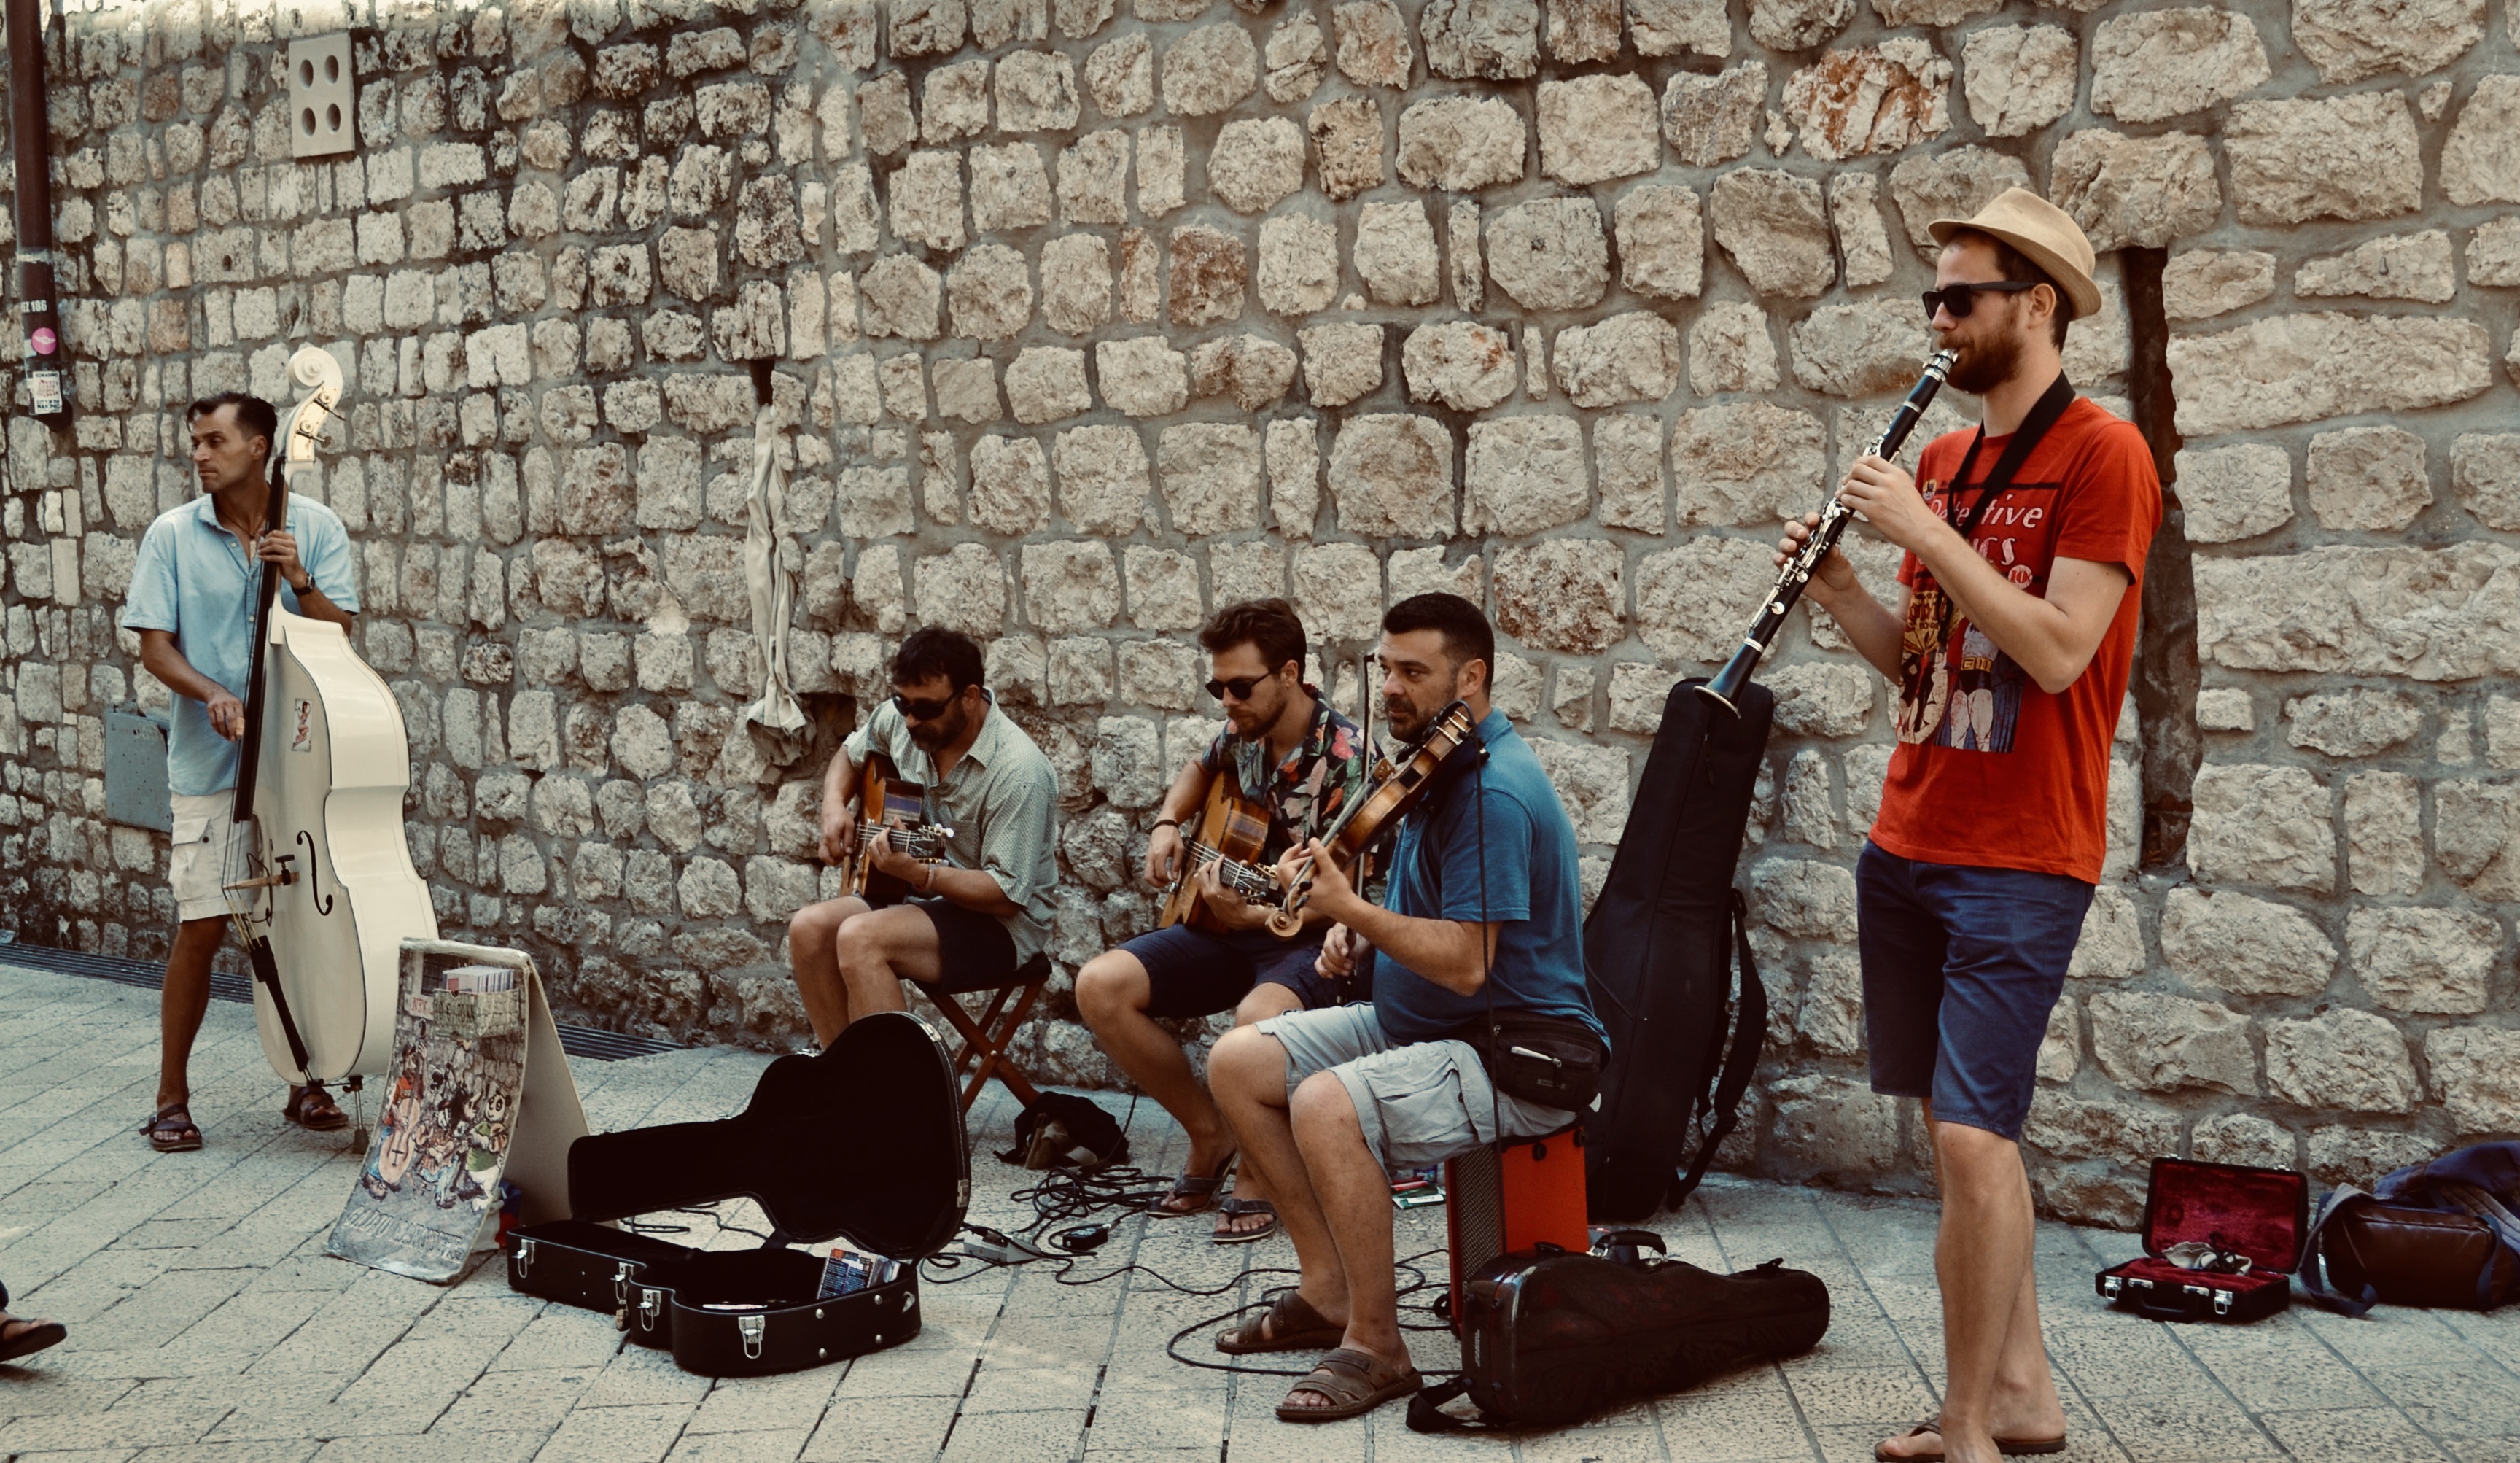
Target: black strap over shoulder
x=1750 y=1035
x=2050 y=405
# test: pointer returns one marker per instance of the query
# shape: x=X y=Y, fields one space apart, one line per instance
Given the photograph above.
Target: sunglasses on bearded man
x=1961 y=299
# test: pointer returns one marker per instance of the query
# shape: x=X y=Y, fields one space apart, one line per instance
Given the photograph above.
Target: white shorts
x=200 y=835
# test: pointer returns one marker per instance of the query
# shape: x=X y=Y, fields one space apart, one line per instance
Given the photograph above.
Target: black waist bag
x=1550 y=1338
x=1553 y=1061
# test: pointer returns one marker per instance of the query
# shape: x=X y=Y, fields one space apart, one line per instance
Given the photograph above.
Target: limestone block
x=1692 y=601
x=1209 y=69
x=2260 y=824
x=988 y=295
x=1338 y=588
x=1749 y=463
x=1662 y=244
x=1461 y=144
x=1076 y=284
x=2359 y=1155
x=2239 y=1138
x=1297 y=58
x=898 y=296
x=1010 y=188
x=2438 y=962
x=1163 y=589
x=2248 y=946
x=1935 y=13
x=2111 y=946
x=2234 y=492
x=1855 y=212
x=1798 y=25
x=962 y=589
x=2384 y=840
x=1256 y=163
x=1667 y=27
x=2410 y=266
x=1581 y=31
x=1551 y=253
x=1299 y=264
x=1774 y=227
x=1633 y=356
x=2066 y=1126
x=1372 y=39
x=1822 y=699
x=1070 y=587
x=1730 y=349
x=2018 y=79
x=1829 y=1125
x=1210 y=273
x=1592 y=783
x=1254 y=370
x=966 y=390
x=1415 y=571
x=1950 y=185
x=1120 y=76
x=1045 y=384
x=1295 y=462
x=1460 y=364
x=926 y=27
x=2349 y=156
x=2199 y=283
x=1498 y=40
x=1252 y=570
x=2476 y=1073
x=1128 y=760
x=1036 y=92
x=1010 y=486
x=2161 y=1043
x=1391 y=476
x=1523 y=475
x=1102 y=482
x=2350 y=39
x=2144 y=191
x=2484 y=476
x=2300 y=368
x=1627 y=464
x=2369 y=477
x=954 y=103
x=2356 y=722
x=1560 y=594
x=1872 y=99
x=928 y=200
x=2160 y=64
x=1804 y=813
x=1804 y=899
x=1861 y=349
x=1712 y=120
x=1597 y=127
x=2406 y=612
x=2494 y=254
x=1210 y=474
x=1342 y=362
x=1162 y=162
x=1143 y=376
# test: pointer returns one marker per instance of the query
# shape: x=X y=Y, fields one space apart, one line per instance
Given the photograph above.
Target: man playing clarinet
x=2010 y=646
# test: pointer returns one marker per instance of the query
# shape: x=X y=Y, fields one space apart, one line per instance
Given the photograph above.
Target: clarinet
x=1726 y=689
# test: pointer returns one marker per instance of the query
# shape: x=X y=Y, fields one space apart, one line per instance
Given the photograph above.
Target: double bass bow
x=320 y=886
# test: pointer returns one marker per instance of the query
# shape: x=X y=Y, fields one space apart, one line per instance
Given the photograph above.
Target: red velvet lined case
x=2259 y=1212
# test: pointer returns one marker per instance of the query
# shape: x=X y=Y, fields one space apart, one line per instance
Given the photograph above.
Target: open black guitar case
x=1661 y=949
x=864 y=1142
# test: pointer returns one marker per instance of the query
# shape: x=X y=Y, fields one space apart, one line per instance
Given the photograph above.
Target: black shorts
x=1192 y=973
x=974 y=950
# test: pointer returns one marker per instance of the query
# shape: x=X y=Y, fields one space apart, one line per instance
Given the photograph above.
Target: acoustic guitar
x=886 y=803
x=1231 y=832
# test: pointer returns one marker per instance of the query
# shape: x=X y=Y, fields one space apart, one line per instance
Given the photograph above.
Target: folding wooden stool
x=986 y=1039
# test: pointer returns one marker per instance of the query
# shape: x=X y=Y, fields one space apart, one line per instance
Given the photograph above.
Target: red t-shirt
x=1991 y=771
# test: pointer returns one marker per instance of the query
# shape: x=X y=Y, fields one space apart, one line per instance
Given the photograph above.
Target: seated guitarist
x=971 y=922
x=1295 y=761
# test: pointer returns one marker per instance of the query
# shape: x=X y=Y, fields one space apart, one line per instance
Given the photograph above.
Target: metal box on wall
x=135 y=771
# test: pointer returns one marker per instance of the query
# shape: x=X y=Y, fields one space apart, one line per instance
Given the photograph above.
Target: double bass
x=320 y=886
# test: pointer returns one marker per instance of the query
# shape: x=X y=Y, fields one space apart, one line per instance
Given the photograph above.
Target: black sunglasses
x=1961 y=299
x=920 y=711
x=1242 y=686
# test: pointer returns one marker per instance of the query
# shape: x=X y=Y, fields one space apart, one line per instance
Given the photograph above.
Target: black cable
x=1171 y=1348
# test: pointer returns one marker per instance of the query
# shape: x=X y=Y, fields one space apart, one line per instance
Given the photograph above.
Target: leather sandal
x=1192 y=1194
x=1354 y=1383
x=312 y=1108
x=1290 y=1324
x=19 y=1337
x=2010 y=1447
x=1242 y=1208
x=172 y=1129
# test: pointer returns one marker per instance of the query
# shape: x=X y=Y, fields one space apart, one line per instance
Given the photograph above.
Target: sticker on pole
x=44 y=340
x=45 y=387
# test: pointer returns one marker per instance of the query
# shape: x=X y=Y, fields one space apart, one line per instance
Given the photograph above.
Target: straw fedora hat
x=2045 y=234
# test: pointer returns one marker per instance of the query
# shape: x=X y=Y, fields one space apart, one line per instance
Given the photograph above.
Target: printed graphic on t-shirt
x=1956 y=688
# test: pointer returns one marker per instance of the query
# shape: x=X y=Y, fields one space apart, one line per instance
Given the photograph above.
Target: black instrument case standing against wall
x=2262 y=1214
x=863 y=1142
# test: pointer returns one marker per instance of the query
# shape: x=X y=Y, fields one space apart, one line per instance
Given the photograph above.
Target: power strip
x=1005 y=1254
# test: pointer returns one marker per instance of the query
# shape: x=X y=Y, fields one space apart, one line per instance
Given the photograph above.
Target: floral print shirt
x=1305 y=793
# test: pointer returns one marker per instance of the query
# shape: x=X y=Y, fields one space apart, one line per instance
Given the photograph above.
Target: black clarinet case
x=862 y=1143
x=2261 y=1213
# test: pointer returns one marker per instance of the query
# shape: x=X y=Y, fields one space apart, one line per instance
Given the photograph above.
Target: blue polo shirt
x=192 y=577
x=1506 y=815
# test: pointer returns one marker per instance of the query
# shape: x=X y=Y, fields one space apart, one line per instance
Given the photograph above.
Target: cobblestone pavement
x=207 y=1323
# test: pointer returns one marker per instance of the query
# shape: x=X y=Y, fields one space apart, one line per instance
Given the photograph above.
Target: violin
x=320 y=886
x=1389 y=794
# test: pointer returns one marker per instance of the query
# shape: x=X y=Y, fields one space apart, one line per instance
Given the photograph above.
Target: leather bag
x=2417 y=1256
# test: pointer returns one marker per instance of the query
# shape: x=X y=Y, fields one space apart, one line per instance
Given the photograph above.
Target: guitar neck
x=1246 y=880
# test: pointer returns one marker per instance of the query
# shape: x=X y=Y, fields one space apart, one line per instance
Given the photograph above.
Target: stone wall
x=1087 y=322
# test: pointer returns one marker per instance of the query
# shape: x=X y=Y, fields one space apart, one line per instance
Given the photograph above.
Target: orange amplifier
x=1514 y=1195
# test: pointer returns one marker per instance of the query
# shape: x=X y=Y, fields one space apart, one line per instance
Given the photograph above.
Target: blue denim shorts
x=1961 y=967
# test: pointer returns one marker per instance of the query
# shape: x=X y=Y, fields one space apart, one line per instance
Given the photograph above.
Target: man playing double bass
x=192 y=601
x=1296 y=763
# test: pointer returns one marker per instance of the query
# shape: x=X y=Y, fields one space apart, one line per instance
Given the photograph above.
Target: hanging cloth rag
x=776 y=722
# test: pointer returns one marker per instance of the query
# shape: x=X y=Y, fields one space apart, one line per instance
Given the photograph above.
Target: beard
x=930 y=735
x=1986 y=364
x=1407 y=722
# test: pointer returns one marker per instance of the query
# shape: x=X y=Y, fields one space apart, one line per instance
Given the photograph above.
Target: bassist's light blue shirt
x=192 y=577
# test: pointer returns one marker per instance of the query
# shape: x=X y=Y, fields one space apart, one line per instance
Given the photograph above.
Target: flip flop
x=302 y=1108
x=172 y=1129
x=1235 y=1209
x=25 y=1338
x=1348 y=1380
x=1290 y=1324
x=1192 y=1194
x=2010 y=1447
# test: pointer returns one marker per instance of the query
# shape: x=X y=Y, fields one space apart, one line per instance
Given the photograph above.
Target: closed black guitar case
x=1660 y=951
x=863 y=1142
